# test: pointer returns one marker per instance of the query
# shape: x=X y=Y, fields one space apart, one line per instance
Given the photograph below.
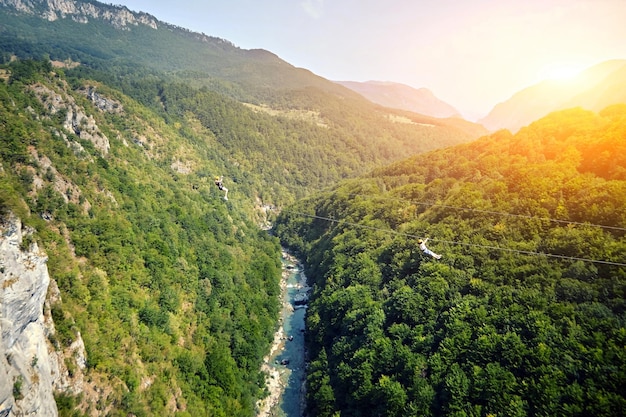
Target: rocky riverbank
x=284 y=365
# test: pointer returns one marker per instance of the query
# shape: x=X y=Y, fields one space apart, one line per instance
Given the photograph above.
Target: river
x=285 y=364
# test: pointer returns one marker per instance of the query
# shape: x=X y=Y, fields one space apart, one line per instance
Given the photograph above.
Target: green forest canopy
x=483 y=331
x=159 y=276
x=162 y=277
x=164 y=280
x=178 y=73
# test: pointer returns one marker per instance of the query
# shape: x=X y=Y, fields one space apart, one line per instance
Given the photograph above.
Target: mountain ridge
x=174 y=290
x=595 y=88
x=109 y=152
x=276 y=72
x=402 y=96
x=531 y=230
x=546 y=96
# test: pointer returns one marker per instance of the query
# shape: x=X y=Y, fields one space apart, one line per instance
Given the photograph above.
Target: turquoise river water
x=286 y=363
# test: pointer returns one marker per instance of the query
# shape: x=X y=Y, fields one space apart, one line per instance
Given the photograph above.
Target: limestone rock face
x=51 y=10
x=76 y=121
x=26 y=377
x=6 y=389
x=102 y=102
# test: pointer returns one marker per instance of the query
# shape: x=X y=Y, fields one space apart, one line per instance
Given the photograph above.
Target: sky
x=472 y=54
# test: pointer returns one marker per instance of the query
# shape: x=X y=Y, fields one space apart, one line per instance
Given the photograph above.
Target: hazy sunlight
x=560 y=72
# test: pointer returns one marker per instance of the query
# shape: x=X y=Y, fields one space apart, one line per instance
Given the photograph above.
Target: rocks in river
x=300 y=299
x=285 y=362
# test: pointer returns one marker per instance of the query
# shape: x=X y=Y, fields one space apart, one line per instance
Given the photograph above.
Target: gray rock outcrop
x=26 y=377
x=119 y=17
x=76 y=121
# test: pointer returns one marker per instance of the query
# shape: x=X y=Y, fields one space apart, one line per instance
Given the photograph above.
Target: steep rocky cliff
x=24 y=283
x=31 y=368
x=81 y=12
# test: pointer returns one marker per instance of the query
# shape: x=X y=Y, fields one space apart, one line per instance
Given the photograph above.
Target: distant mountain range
x=595 y=88
x=104 y=37
x=151 y=295
x=132 y=50
x=404 y=97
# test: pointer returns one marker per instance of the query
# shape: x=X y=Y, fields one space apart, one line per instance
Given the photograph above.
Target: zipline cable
x=498 y=248
x=500 y=213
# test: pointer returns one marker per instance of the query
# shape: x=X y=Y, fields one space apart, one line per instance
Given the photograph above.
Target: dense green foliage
x=523 y=316
x=304 y=133
x=292 y=157
x=173 y=289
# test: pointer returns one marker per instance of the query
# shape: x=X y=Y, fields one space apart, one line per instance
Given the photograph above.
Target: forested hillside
x=113 y=127
x=173 y=289
x=524 y=314
x=306 y=131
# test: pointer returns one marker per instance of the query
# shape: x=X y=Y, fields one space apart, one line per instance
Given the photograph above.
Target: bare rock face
x=6 y=389
x=102 y=102
x=76 y=121
x=26 y=377
x=119 y=17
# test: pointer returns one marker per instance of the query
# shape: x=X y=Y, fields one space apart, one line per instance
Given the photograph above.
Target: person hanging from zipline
x=427 y=251
x=220 y=185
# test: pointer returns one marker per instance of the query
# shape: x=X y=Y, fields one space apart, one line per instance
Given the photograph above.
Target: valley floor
x=285 y=363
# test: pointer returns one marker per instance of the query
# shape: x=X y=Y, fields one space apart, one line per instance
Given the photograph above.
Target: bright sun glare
x=560 y=72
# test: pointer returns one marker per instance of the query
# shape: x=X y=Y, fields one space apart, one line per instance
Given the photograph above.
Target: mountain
x=104 y=36
x=140 y=55
x=528 y=291
x=128 y=285
x=400 y=96
x=593 y=89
